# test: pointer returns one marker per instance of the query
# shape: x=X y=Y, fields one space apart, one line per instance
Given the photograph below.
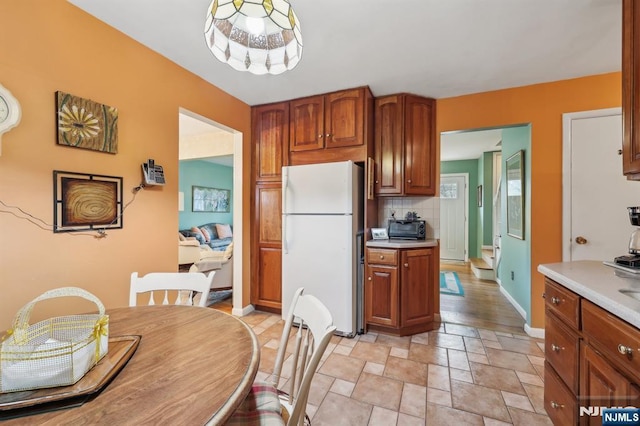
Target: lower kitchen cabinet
x=401 y=290
x=266 y=291
x=591 y=360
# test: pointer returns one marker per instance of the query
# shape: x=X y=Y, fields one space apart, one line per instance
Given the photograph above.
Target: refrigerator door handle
x=285 y=185
x=285 y=247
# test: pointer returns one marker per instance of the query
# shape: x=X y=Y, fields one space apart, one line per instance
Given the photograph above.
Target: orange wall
x=542 y=105
x=52 y=45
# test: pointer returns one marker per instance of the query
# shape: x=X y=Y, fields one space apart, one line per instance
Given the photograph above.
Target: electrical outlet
x=512 y=275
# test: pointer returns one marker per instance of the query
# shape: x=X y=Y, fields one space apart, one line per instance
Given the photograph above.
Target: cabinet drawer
x=559 y=402
x=616 y=338
x=561 y=350
x=563 y=303
x=377 y=256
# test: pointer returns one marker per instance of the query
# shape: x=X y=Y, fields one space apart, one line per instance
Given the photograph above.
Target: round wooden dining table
x=192 y=366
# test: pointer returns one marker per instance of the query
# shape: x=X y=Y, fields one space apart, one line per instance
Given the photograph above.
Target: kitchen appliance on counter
x=407 y=229
x=632 y=260
x=322 y=238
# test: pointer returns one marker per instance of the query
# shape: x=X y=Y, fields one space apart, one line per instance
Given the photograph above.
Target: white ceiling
x=434 y=48
x=469 y=145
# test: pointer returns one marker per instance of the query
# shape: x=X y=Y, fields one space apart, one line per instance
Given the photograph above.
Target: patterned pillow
x=207 y=237
x=224 y=230
x=198 y=233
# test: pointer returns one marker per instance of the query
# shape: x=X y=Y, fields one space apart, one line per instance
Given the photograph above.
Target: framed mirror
x=515 y=195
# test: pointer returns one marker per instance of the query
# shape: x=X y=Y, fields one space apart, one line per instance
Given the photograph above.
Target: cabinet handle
x=369 y=278
x=555 y=300
x=556 y=405
x=555 y=347
x=381 y=257
x=544 y=295
x=406 y=265
x=408 y=180
x=625 y=350
x=320 y=136
x=328 y=135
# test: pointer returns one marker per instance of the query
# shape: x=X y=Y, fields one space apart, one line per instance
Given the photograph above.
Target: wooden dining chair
x=266 y=403
x=184 y=283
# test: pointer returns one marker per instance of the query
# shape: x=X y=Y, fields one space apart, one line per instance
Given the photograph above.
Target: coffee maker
x=633 y=259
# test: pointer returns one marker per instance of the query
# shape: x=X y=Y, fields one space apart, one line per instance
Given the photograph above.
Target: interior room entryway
x=204 y=139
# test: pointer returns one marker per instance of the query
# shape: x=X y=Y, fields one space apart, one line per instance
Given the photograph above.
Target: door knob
x=581 y=240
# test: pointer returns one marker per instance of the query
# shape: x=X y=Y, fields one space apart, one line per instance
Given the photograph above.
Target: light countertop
x=401 y=244
x=599 y=283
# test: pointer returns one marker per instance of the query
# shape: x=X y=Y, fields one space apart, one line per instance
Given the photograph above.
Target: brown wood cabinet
x=266 y=291
x=270 y=125
x=401 y=290
x=591 y=359
x=630 y=87
x=405 y=145
x=327 y=121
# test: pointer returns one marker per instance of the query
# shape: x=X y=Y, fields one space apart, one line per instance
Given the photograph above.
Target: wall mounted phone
x=153 y=173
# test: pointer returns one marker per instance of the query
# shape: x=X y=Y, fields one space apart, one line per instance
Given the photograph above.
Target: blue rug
x=218 y=296
x=450 y=284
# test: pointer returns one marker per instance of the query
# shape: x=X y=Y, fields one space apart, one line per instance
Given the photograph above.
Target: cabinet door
x=381 y=295
x=344 y=118
x=388 y=146
x=416 y=295
x=601 y=385
x=267 y=277
x=307 y=124
x=270 y=139
x=420 y=146
x=630 y=84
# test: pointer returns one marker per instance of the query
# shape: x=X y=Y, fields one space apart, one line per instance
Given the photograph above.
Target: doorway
x=223 y=145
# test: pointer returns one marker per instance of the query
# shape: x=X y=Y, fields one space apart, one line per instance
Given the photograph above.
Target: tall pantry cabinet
x=630 y=87
x=270 y=138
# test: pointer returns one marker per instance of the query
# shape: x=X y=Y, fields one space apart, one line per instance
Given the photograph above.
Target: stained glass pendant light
x=259 y=36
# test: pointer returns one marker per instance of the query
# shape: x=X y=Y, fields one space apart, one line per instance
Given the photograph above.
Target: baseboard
x=534 y=332
x=242 y=312
x=513 y=302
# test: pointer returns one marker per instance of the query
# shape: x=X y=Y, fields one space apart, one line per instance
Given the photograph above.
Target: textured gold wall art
x=86 y=202
x=83 y=123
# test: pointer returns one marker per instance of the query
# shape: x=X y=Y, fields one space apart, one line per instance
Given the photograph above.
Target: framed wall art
x=84 y=202
x=212 y=200
x=83 y=123
x=515 y=195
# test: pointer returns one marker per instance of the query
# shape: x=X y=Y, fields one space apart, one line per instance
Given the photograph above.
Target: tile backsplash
x=427 y=208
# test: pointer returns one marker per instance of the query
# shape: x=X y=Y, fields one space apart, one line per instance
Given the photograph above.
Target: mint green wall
x=470 y=167
x=203 y=173
x=516 y=253
x=486 y=171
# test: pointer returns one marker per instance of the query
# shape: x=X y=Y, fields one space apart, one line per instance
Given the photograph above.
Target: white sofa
x=203 y=259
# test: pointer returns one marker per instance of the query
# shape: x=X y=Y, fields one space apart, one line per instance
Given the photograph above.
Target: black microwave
x=407 y=229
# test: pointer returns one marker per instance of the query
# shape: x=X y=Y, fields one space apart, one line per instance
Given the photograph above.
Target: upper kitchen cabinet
x=325 y=122
x=405 y=145
x=630 y=87
x=270 y=138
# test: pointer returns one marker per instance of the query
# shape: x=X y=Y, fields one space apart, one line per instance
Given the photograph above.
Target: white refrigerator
x=322 y=207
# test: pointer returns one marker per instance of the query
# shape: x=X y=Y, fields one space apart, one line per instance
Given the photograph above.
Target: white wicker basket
x=54 y=352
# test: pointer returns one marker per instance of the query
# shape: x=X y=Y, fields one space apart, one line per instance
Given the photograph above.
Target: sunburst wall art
x=86 y=202
x=83 y=123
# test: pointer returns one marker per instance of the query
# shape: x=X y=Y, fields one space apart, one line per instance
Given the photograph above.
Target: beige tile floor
x=458 y=375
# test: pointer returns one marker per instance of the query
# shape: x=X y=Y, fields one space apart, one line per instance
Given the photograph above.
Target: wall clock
x=9 y=111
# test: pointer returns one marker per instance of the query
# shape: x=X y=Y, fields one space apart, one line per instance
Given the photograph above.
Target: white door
x=453 y=217
x=595 y=218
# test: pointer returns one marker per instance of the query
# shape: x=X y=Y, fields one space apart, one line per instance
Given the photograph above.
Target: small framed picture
x=379 y=234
